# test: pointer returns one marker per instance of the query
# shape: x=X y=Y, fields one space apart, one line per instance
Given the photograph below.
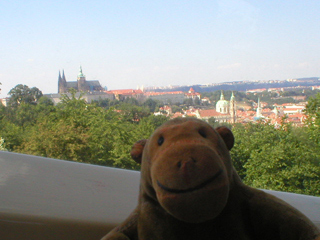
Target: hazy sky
x=124 y=44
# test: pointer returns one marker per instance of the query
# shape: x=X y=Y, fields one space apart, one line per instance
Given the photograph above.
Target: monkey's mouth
x=201 y=185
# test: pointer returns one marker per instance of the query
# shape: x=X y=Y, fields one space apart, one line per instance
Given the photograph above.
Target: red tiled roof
x=288 y=105
x=161 y=93
x=292 y=109
x=297 y=115
x=165 y=108
x=125 y=91
x=177 y=114
x=209 y=113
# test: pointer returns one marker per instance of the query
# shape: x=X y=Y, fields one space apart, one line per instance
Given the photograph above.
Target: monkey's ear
x=137 y=150
x=226 y=135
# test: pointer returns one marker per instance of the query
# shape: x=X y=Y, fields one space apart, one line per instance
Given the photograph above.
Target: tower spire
x=259 y=109
x=59 y=82
x=233 y=109
x=232 y=97
x=63 y=76
x=82 y=86
x=62 y=83
x=80 y=75
x=222 y=95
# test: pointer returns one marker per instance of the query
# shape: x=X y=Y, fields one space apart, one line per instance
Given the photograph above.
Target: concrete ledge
x=46 y=198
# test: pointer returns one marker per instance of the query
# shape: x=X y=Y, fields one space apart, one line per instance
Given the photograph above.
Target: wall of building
x=168 y=98
x=89 y=96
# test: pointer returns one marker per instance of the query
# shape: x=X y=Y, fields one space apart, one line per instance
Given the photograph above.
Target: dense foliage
x=77 y=131
x=285 y=159
x=23 y=94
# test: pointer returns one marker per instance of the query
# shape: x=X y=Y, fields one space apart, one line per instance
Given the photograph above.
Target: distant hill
x=246 y=85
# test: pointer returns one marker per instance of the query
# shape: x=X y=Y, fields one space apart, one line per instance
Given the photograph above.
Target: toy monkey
x=190 y=190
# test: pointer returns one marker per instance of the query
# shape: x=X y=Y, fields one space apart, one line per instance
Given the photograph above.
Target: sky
x=125 y=44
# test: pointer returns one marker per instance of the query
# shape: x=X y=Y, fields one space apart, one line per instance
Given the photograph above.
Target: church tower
x=222 y=105
x=81 y=81
x=62 y=83
x=259 y=109
x=233 y=109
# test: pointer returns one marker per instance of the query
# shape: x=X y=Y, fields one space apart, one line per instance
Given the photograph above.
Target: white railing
x=42 y=198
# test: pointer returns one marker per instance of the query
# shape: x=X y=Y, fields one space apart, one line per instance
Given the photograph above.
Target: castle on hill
x=81 y=85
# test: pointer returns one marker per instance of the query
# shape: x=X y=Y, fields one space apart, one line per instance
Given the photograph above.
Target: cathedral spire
x=61 y=83
x=63 y=76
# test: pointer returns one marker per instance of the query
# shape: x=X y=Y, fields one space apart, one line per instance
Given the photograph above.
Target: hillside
x=245 y=85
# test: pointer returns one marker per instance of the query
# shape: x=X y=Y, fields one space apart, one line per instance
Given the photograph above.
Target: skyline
x=126 y=44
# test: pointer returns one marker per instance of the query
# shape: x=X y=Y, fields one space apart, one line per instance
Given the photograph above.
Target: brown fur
x=190 y=190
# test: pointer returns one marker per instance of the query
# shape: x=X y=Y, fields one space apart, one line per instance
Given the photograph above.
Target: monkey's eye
x=160 y=140
x=203 y=133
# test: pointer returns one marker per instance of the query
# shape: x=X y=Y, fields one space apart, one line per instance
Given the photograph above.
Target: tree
x=123 y=138
x=197 y=101
x=45 y=105
x=188 y=102
x=284 y=159
x=126 y=134
x=176 y=108
x=26 y=114
x=22 y=93
x=131 y=101
x=12 y=134
x=313 y=106
x=82 y=132
x=105 y=103
x=132 y=113
x=288 y=165
x=36 y=93
x=152 y=105
x=147 y=126
x=74 y=131
x=3 y=110
x=313 y=117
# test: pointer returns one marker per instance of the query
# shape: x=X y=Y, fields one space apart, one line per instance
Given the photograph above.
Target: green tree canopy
x=313 y=118
x=313 y=106
x=284 y=159
x=23 y=94
x=152 y=105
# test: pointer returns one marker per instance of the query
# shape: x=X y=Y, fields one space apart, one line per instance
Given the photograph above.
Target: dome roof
x=222 y=105
x=222 y=102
